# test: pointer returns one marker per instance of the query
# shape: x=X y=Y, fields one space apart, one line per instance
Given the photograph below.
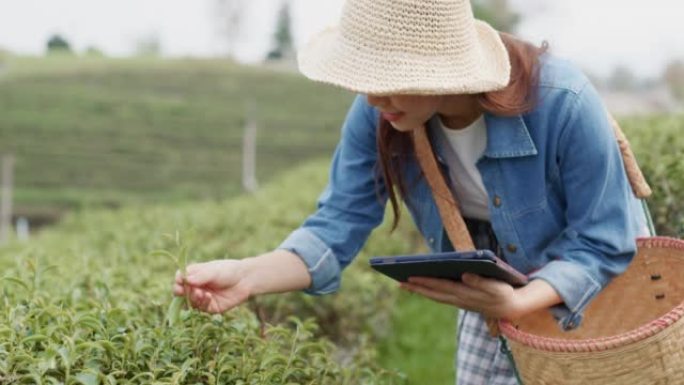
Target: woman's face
x=406 y=112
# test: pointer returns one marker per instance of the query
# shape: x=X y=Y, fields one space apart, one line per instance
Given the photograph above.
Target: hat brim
x=327 y=59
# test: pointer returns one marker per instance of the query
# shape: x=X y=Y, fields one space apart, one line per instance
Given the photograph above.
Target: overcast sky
x=598 y=34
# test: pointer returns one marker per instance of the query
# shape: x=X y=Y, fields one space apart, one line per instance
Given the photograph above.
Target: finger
x=178 y=290
x=453 y=288
x=205 y=302
x=432 y=294
x=196 y=296
x=200 y=274
x=491 y=286
x=437 y=284
x=459 y=291
x=228 y=300
x=217 y=305
x=472 y=280
x=213 y=305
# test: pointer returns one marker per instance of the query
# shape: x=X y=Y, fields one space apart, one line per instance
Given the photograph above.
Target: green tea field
x=88 y=301
x=96 y=131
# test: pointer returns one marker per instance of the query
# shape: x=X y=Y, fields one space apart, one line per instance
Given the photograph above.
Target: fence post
x=249 y=181
x=6 y=199
x=23 y=229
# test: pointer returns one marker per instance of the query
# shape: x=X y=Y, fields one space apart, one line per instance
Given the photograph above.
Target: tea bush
x=658 y=143
x=90 y=302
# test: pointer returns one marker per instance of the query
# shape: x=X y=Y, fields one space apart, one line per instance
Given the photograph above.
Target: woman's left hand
x=491 y=297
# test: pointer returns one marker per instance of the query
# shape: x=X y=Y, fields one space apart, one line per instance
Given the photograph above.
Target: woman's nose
x=377 y=101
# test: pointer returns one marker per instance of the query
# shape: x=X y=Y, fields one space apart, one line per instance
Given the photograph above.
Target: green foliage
x=94 y=292
x=282 y=38
x=58 y=44
x=90 y=301
x=422 y=342
x=109 y=132
x=498 y=13
x=658 y=145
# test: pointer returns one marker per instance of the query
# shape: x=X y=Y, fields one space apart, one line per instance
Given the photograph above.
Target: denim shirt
x=559 y=199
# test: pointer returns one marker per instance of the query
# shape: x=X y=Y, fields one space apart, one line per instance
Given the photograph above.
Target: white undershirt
x=468 y=145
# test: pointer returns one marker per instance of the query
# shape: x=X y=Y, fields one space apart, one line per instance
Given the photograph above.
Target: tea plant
x=658 y=143
x=90 y=302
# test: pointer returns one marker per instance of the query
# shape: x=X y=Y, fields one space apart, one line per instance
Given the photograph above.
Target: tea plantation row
x=90 y=302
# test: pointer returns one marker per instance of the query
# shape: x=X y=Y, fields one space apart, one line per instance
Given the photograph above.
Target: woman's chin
x=403 y=127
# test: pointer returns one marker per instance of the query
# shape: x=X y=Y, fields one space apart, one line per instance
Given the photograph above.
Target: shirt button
x=512 y=248
x=431 y=240
x=497 y=201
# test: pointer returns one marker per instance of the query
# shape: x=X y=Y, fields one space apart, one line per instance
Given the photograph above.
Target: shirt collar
x=507 y=137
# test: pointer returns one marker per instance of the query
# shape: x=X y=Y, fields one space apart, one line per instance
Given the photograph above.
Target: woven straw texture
x=632 y=333
x=636 y=177
x=408 y=47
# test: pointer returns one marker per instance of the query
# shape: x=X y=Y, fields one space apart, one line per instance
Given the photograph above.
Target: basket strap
x=505 y=349
x=649 y=219
x=636 y=178
x=446 y=202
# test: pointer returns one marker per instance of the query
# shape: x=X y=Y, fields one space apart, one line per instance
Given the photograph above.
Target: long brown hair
x=519 y=96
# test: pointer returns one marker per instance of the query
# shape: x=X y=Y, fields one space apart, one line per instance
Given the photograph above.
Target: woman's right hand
x=215 y=286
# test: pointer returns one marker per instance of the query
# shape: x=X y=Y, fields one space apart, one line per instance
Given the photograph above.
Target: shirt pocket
x=526 y=186
x=537 y=226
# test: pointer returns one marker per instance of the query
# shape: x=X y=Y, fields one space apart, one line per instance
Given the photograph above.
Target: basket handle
x=446 y=202
x=447 y=205
x=636 y=178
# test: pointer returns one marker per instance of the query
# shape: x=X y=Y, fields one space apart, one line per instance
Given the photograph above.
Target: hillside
x=97 y=131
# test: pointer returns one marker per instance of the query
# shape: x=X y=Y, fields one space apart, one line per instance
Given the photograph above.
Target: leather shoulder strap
x=446 y=202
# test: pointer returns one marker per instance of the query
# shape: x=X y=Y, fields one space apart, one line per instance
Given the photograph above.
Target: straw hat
x=408 y=47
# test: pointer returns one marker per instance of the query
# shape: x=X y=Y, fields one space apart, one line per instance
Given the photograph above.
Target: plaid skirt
x=480 y=358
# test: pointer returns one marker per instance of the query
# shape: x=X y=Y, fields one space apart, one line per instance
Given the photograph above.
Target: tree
x=58 y=44
x=674 y=77
x=230 y=16
x=282 y=38
x=498 y=13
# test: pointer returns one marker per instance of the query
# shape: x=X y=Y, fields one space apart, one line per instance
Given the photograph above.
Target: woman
x=526 y=144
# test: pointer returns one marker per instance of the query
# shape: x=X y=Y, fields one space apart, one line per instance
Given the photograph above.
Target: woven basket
x=632 y=333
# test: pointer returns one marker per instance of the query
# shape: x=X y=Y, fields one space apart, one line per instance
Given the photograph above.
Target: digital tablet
x=450 y=265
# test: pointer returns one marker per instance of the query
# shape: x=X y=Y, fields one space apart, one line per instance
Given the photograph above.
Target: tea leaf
x=173 y=312
x=16 y=281
x=87 y=378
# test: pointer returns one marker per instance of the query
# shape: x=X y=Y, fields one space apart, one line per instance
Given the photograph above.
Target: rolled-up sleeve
x=599 y=240
x=350 y=207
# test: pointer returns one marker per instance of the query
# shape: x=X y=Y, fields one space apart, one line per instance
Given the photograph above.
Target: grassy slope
x=107 y=131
